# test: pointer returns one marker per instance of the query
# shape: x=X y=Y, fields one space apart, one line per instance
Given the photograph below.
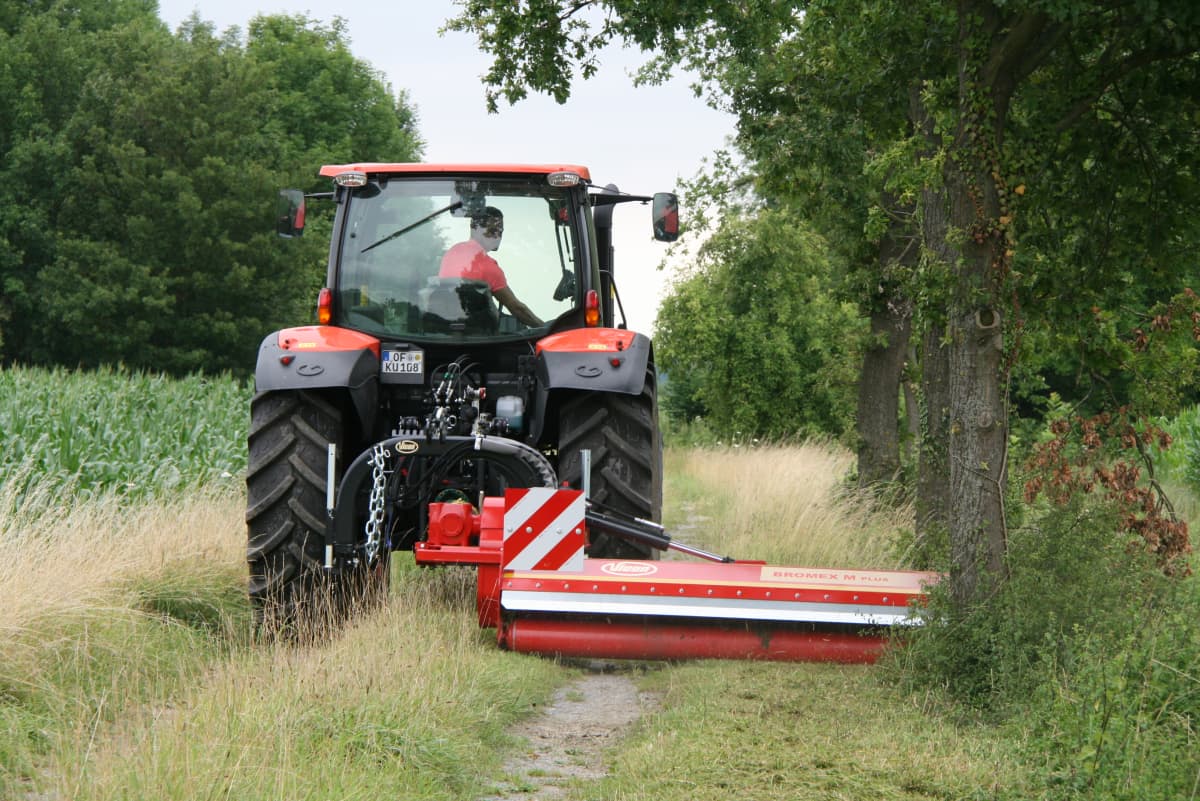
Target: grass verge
x=129 y=670
x=105 y=608
x=412 y=703
x=768 y=731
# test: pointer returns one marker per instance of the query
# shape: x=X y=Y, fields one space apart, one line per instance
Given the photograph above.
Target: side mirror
x=665 y=216
x=289 y=213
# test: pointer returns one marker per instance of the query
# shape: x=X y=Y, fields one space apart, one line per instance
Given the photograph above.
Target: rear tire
x=286 y=516
x=622 y=433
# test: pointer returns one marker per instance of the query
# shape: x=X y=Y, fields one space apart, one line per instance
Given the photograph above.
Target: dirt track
x=567 y=740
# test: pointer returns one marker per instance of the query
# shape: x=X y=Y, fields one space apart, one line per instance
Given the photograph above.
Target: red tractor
x=445 y=369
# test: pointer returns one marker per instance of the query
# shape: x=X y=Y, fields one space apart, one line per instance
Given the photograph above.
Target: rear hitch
x=344 y=546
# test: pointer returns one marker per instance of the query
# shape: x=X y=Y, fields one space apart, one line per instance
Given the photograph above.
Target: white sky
x=644 y=140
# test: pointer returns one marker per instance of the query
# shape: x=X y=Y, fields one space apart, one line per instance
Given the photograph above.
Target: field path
x=567 y=740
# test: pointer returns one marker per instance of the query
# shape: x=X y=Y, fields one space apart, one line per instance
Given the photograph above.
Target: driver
x=470 y=260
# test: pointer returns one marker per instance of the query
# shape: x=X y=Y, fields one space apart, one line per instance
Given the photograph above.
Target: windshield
x=451 y=258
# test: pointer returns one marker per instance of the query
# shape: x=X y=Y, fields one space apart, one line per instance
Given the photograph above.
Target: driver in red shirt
x=470 y=260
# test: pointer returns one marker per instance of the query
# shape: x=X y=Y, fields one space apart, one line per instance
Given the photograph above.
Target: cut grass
x=788 y=731
x=778 y=731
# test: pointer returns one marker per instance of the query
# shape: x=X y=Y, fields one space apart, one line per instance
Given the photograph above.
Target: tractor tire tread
x=622 y=433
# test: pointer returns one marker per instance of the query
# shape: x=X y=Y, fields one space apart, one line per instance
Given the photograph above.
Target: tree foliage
x=139 y=171
x=760 y=344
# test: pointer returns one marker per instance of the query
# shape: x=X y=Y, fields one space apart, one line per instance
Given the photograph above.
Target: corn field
x=111 y=430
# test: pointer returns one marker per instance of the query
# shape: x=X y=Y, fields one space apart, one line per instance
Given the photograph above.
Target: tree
x=1017 y=75
x=328 y=105
x=149 y=173
x=818 y=116
x=766 y=347
x=1069 y=56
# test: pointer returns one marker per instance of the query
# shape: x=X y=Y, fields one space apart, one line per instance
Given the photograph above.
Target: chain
x=376 y=504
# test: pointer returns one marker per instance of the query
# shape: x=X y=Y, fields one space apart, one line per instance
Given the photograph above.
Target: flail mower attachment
x=541 y=594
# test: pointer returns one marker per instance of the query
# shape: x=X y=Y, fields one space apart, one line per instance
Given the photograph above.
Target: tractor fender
x=322 y=357
x=594 y=359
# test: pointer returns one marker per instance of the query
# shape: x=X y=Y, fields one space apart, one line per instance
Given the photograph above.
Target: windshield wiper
x=455 y=205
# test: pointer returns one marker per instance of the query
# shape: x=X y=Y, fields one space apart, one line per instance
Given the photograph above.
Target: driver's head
x=487 y=228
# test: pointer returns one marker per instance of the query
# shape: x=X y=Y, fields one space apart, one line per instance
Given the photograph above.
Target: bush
x=1087 y=647
x=1067 y=573
x=1123 y=722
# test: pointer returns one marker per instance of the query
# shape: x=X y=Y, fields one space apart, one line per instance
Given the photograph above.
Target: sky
x=643 y=139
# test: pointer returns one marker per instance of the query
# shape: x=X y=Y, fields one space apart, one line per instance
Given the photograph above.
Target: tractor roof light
x=325 y=306
x=563 y=178
x=591 y=309
x=350 y=179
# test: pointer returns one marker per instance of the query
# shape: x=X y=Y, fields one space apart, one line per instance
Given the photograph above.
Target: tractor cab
x=434 y=254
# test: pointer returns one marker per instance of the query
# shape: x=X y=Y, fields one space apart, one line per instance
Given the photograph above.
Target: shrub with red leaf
x=1108 y=455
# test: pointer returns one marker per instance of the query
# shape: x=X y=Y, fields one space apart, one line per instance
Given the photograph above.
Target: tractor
x=426 y=387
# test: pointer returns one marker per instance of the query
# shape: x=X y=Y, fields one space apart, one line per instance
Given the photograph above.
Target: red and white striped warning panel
x=543 y=529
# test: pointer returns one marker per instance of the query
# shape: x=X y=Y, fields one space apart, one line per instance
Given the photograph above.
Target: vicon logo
x=629 y=568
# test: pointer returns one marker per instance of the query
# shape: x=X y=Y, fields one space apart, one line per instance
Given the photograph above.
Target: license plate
x=407 y=363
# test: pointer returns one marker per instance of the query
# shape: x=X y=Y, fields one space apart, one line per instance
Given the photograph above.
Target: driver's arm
x=507 y=299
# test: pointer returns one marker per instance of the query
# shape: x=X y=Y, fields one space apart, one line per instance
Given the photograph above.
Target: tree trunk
x=975 y=321
x=978 y=418
x=878 y=416
x=933 y=473
x=879 y=394
x=963 y=486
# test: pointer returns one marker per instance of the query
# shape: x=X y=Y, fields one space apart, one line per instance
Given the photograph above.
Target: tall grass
x=129 y=669
x=786 y=504
x=122 y=571
x=59 y=558
x=411 y=703
x=105 y=606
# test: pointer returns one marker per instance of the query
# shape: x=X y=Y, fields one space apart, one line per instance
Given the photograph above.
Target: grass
x=105 y=608
x=60 y=557
x=779 y=731
x=783 y=504
x=130 y=673
x=411 y=703
x=787 y=731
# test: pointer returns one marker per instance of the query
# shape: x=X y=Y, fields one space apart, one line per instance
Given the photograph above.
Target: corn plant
x=132 y=433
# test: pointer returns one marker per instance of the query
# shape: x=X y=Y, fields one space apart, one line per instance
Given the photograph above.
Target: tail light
x=325 y=306
x=591 y=309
